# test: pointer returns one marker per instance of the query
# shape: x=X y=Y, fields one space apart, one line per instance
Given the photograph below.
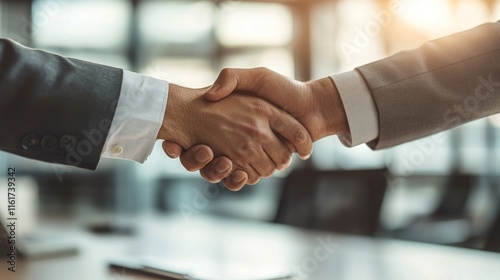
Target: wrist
x=175 y=126
x=331 y=109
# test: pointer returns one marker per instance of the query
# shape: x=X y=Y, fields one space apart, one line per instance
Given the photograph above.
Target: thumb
x=173 y=150
x=231 y=80
x=262 y=82
x=226 y=83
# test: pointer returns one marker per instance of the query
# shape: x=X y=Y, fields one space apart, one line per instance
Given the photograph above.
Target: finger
x=257 y=159
x=173 y=150
x=236 y=181
x=196 y=157
x=289 y=145
x=253 y=175
x=288 y=127
x=278 y=152
x=265 y=167
x=217 y=170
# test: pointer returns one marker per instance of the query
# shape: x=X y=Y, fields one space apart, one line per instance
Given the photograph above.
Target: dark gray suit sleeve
x=443 y=84
x=55 y=109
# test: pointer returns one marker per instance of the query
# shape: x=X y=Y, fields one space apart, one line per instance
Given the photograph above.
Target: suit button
x=68 y=142
x=49 y=143
x=117 y=149
x=30 y=141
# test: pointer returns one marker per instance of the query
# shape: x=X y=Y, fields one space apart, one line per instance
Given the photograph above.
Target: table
x=205 y=241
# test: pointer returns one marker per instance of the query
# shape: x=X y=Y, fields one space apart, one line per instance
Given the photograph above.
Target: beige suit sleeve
x=442 y=84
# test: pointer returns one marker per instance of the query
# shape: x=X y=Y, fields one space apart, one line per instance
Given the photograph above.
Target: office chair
x=448 y=223
x=338 y=201
x=493 y=238
x=493 y=242
x=454 y=200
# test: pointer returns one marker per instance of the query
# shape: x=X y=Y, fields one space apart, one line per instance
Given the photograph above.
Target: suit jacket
x=442 y=84
x=55 y=109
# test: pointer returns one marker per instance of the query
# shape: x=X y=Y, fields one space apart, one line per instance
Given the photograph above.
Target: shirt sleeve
x=361 y=112
x=138 y=118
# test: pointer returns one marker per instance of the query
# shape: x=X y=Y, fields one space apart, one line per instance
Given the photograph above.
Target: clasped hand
x=246 y=133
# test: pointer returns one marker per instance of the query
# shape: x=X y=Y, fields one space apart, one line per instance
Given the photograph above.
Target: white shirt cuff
x=138 y=118
x=360 y=108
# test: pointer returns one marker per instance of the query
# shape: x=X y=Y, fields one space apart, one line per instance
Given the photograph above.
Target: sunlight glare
x=250 y=24
x=427 y=14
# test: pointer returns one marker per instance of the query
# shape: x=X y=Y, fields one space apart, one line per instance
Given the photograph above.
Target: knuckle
x=226 y=72
x=258 y=132
x=284 y=161
x=291 y=147
x=261 y=108
x=300 y=136
x=264 y=75
x=277 y=124
x=268 y=173
x=262 y=70
x=254 y=132
x=244 y=150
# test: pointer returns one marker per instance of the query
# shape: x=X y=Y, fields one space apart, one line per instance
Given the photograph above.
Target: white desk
x=257 y=246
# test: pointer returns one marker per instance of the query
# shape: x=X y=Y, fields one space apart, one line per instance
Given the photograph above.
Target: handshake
x=248 y=124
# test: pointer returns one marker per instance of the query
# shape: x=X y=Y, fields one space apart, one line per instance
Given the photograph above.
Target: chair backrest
x=493 y=241
x=454 y=199
x=493 y=236
x=339 y=201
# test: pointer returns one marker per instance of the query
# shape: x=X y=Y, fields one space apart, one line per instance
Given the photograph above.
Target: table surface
x=204 y=245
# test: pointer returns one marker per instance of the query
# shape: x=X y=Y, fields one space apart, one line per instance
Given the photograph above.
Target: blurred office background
x=443 y=189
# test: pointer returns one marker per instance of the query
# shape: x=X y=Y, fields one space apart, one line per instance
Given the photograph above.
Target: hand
x=315 y=104
x=239 y=127
x=200 y=158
